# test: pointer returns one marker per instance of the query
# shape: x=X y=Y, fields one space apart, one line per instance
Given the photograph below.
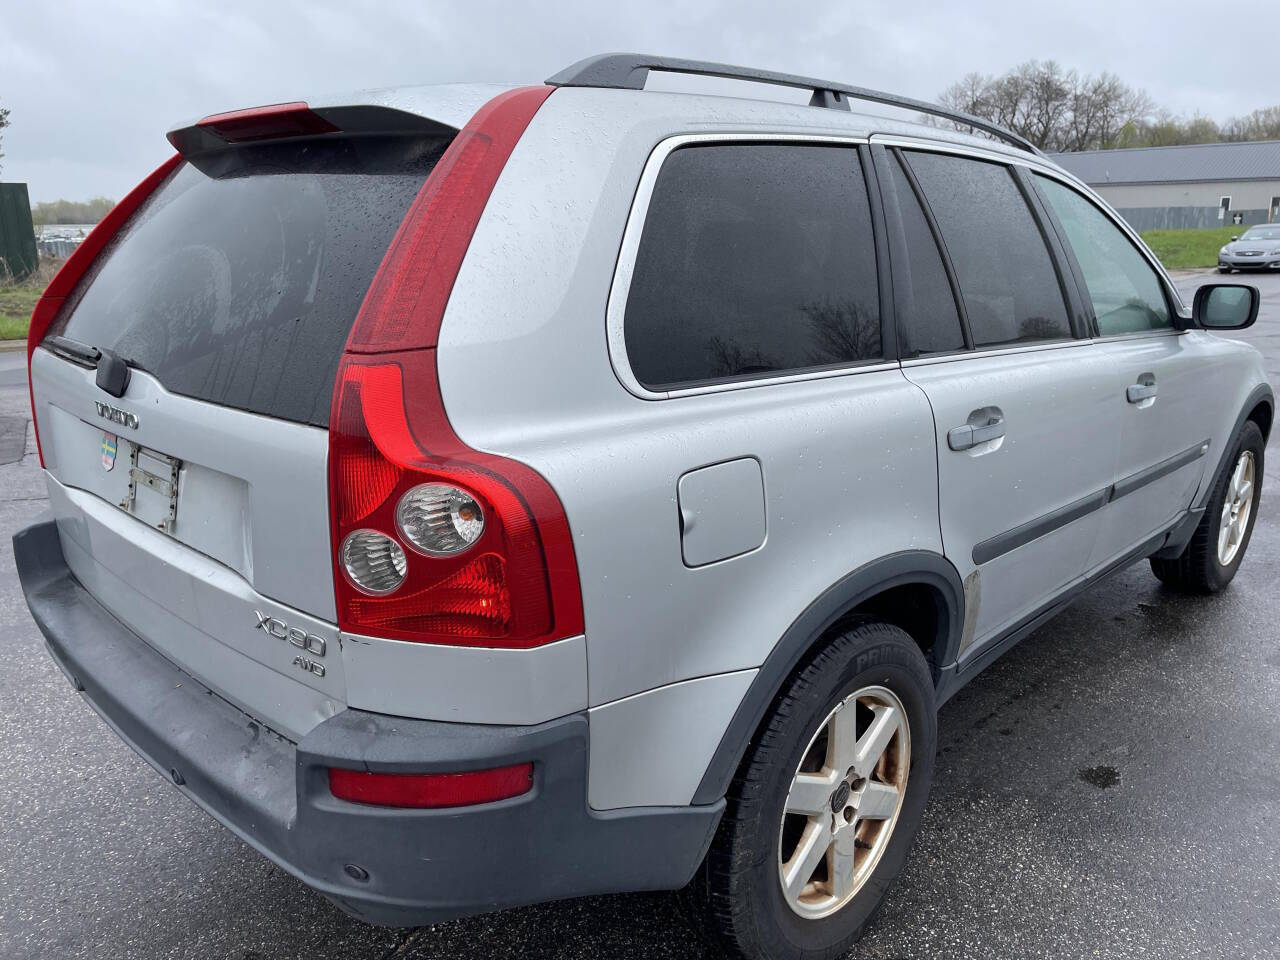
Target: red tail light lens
x=77 y=265
x=427 y=790
x=515 y=586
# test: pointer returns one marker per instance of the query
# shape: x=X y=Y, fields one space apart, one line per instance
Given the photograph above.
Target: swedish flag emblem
x=108 y=451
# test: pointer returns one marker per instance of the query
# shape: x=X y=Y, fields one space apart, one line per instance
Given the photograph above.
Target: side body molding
x=894 y=570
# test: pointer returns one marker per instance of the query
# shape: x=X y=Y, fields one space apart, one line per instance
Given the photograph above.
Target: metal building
x=1204 y=185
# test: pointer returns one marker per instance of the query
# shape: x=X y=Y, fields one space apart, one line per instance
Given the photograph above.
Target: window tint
x=931 y=322
x=1006 y=277
x=1126 y=292
x=239 y=286
x=755 y=259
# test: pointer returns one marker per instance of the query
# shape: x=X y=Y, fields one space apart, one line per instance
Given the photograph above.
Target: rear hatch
x=194 y=504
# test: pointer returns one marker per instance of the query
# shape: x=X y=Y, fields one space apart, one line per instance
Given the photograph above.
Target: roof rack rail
x=629 y=71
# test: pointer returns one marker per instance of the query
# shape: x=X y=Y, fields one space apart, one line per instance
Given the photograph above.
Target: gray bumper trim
x=423 y=866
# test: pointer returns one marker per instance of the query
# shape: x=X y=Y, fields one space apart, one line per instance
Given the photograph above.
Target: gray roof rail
x=629 y=71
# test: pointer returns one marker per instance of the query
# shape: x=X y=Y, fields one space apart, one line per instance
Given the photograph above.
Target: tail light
x=65 y=281
x=487 y=554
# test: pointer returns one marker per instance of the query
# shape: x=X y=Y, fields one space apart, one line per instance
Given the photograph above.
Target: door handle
x=989 y=426
x=1137 y=392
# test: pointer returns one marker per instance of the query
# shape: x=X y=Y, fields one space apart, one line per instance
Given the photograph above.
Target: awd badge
x=108 y=450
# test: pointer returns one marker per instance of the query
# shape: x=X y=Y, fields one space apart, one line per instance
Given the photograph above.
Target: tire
x=737 y=895
x=1224 y=269
x=1203 y=567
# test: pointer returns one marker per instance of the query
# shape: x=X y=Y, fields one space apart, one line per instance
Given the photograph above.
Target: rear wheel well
x=917 y=608
x=917 y=591
x=1262 y=415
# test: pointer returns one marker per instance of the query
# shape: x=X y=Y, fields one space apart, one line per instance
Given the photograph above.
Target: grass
x=17 y=300
x=16 y=304
x=1187 y=249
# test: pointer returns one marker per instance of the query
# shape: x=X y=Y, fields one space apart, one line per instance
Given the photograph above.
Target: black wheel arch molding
x=903 y=569
x=1260 y=396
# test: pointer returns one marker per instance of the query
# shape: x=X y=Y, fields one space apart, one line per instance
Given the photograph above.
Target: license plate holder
x=152 y=495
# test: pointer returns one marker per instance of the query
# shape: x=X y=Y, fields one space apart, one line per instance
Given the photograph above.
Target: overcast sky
x=94 y=84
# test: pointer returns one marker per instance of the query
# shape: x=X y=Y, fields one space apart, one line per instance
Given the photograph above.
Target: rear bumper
x=422 y=866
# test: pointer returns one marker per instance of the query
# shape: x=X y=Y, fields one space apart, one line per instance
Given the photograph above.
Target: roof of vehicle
x=1258 y=160
x=454 y=104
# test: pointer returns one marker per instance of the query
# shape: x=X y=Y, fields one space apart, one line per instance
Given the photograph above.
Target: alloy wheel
x=1237 y=507
x=844 y=801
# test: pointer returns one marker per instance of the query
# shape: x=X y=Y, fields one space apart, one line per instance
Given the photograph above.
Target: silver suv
x=479 y=496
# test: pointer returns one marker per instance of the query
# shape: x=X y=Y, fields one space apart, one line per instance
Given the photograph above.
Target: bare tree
x=841 y=331
x=1262 y=124
x=1059 y=110
x=1102 y=107
x=1053 y=107
x=1201 y=129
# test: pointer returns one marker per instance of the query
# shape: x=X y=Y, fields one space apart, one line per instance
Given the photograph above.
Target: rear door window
x=757 y=259
x=1007 y=279
x=239 y=286
x=1125 y=291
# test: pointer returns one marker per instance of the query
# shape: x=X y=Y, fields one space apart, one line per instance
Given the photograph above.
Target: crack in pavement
x=13 y=439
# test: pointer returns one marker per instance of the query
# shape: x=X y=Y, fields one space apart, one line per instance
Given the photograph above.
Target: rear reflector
x=267 y=123
x=431 y=790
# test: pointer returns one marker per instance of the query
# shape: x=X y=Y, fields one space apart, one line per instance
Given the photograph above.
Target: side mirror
x=1235 y=238
x=1226 y=306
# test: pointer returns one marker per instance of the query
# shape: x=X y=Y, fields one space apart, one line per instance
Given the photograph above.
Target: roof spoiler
x=222 y=132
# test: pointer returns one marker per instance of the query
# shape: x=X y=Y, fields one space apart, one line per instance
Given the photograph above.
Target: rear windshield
x=238 y=282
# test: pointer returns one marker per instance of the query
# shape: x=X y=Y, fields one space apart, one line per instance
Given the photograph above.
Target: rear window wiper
x=113 y=369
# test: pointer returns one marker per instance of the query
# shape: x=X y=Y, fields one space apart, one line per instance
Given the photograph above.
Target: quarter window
x=1126 y=293
x=1007 y=279
x=757 y=259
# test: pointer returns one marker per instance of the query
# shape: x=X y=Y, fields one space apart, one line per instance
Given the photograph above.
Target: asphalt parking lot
x=1111 y=788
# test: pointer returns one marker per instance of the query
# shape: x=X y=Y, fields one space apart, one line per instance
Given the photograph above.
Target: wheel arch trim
x=907 y=568
x=1262 y=394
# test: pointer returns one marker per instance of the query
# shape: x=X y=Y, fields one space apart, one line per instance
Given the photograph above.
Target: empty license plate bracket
x=153 y=487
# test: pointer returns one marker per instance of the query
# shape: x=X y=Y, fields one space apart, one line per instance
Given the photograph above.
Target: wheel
x=1224 y=269
x=1215 y=550
x=826 y=803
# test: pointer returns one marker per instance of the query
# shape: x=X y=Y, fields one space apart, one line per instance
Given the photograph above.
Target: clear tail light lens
x=373 y=562
x=439 y=519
